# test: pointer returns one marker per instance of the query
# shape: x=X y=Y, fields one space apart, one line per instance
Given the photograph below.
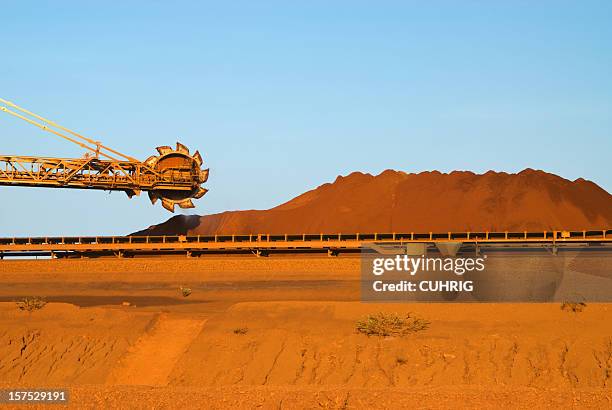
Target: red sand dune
x=395 y=201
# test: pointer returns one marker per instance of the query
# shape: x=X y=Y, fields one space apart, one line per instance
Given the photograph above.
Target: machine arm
x=90 y=173
x=174 y=176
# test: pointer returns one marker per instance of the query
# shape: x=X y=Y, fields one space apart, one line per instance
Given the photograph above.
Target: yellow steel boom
x=174 y=176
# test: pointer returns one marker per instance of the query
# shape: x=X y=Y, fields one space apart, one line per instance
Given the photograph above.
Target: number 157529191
x=32 y=396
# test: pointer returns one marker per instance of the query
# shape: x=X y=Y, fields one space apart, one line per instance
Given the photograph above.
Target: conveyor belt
x=265 y=244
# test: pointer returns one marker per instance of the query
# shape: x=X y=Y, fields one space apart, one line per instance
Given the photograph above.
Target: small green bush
x=390 y=324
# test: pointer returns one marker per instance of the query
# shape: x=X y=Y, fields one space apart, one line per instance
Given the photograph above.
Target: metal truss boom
x=91 y=173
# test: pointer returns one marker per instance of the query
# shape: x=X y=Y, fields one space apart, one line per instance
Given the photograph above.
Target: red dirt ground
x=299 y=348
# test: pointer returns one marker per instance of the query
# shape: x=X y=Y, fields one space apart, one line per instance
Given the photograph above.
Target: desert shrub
x=575 y=307
x=185 y=291
x=241 y=330
x=390 y=324
x=335 y=403
x=31 y=303
x=401 y=360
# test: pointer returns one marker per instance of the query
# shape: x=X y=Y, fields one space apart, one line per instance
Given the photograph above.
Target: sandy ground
x=298 y=347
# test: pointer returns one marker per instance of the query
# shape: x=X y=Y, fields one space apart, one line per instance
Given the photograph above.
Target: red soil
x=395 y=201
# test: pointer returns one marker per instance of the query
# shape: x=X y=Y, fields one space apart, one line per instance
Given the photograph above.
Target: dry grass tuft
x=31 y=303
x=390 y=324
x=575 y=307
x=401 y=360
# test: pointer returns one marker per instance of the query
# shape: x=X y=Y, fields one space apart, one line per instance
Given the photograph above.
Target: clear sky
x=282 y=96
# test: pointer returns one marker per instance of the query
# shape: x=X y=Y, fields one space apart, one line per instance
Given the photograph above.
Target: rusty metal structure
x=174 y=176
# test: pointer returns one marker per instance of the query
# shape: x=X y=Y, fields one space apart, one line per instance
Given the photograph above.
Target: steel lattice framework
x=175 y=176
x=90 y=173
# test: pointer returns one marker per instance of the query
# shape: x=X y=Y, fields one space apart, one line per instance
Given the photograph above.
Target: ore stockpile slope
x=394 y=201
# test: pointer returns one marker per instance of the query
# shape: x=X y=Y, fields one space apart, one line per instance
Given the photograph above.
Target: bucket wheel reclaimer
x=174 y=176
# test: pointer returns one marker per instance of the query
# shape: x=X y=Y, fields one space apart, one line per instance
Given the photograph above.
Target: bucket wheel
x=177 y=165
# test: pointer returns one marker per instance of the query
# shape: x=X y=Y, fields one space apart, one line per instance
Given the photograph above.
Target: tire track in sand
x=151 y=359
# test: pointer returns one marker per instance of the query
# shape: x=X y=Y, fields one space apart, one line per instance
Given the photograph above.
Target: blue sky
x=281 y=97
